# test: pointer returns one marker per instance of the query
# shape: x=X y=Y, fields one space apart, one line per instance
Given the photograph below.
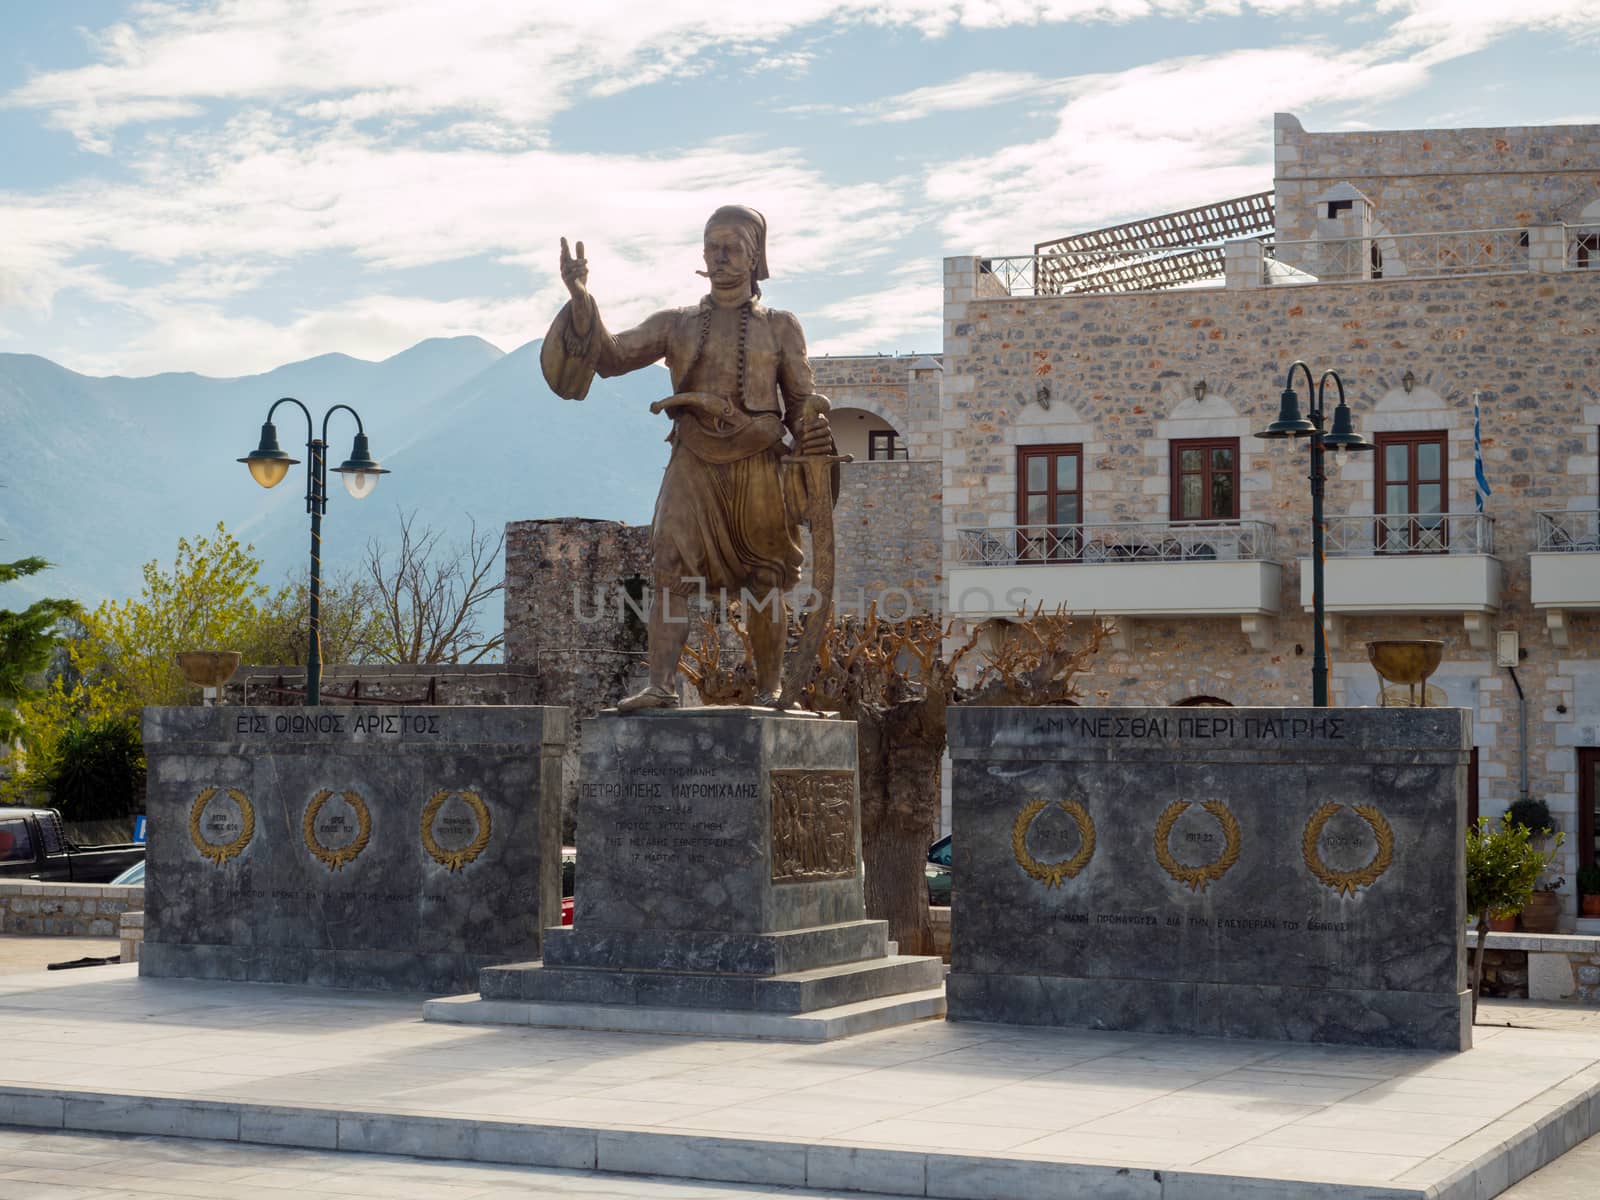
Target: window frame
x=1175 y=479
x=1418 y=537
x=1066 y=549
x=896 y=449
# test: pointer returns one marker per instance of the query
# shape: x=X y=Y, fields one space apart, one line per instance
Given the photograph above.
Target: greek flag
x=1477 y=455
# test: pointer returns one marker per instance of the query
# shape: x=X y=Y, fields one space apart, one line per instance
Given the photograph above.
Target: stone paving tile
x=1299 y=1163
x=1070 y=1094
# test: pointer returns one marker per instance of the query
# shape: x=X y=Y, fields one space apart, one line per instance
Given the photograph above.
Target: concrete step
x=795 y=992
x=822 y=1025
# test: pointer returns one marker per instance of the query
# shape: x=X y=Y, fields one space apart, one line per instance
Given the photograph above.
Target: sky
x=223 y=186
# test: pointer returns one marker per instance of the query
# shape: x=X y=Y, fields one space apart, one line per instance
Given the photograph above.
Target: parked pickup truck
x=34 y=846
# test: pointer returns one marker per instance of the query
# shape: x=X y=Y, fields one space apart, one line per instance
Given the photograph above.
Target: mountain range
x=101 y=475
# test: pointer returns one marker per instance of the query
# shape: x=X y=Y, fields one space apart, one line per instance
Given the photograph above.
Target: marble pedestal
x=719 y=871
x=1281 y=873
x=355 y=847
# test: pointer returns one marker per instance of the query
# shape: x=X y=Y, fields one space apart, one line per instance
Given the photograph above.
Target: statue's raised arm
x=579 y=347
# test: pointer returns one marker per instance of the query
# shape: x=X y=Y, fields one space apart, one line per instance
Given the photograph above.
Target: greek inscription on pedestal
x=337 y=827
x=813 y=825
x=455 y=828
x=218 y=831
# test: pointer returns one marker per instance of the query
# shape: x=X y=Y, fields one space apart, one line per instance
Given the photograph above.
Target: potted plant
x=1503 y=865
x=1542 y=912
x=1589 y=889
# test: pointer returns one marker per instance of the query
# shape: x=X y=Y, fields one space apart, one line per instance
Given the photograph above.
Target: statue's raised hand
x=575 y=272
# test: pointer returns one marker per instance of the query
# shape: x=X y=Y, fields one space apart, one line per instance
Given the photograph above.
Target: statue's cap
x=739 y=214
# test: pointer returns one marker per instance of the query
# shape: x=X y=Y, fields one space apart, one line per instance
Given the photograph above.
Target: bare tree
x=430 y=596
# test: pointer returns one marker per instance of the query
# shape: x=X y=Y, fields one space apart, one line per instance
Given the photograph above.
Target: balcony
x=1126 y=571
x=1564 y=568
x=1409 y=563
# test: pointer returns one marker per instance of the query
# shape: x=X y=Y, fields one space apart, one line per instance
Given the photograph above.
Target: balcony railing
x=1574 y=531
x=1406 y=255
x=1025 y=545
x=1583 y=247
x=1408 y=533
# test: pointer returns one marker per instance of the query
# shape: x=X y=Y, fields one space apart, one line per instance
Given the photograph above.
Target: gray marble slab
x=1293 y=873
x=350 y=847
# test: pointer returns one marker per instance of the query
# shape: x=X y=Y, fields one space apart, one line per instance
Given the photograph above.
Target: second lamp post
x=1341 y=438
x=269 y=464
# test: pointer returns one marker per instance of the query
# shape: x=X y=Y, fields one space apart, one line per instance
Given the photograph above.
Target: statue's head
x=736 y=247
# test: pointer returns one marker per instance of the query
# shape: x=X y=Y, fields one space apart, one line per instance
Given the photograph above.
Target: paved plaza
x=929 y=1109
x=98 y=1166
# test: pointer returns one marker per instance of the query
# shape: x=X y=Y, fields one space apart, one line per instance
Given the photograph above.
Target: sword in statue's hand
x=817 y=471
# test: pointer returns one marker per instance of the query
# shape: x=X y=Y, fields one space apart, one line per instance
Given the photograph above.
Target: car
x=937 y=871
x=35 y=845
x=133 y=875
x=569 y=876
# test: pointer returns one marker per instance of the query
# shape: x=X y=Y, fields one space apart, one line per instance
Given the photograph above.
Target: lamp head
x=1343 y=437
x=360 y=471
x=267 y=462
x=1289 y=423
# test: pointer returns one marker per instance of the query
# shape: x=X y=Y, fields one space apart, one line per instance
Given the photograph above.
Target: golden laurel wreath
x=454 y=860
x=1346 y=882
x=1197 y=877
x=247 y=817
x=1051 y=874
x=336 y=860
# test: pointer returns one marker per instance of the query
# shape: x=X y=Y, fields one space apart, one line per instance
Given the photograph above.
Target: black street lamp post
x=1340 y=439
x=268 y=465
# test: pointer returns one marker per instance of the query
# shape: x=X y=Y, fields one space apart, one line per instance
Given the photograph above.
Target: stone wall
x=887 y=530
x=902 y=389
x=1426 y=180
x=1122 y=370
x=1546 y=967
x=451 y=683
x=65 y=909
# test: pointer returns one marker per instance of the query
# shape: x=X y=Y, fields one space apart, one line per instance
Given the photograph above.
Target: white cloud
x=980 y=89
x=1156 y=138
x=904 y=313
x=223 y=210
x=1438 y=30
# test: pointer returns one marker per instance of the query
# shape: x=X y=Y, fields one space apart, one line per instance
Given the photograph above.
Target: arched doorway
x=866 y=436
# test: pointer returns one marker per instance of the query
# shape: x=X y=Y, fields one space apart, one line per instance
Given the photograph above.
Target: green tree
x=1503 y=868
x=96 y=771
x=27 y=641
x=210 y=599
x=349 y=618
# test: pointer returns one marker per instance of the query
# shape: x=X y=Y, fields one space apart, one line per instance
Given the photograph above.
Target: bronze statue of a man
x=727 y=517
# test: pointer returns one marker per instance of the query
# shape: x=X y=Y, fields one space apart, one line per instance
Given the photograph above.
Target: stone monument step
x=731 y=953
x=796 y=992
x=823 y=1025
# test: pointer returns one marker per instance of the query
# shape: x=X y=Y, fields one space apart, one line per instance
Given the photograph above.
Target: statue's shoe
x=772 y=699
x=650 y=697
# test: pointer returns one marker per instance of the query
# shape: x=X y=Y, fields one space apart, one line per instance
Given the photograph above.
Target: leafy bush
x=1530 y=814
x=1589 y=880
x=1503 y=868
x=97 y=771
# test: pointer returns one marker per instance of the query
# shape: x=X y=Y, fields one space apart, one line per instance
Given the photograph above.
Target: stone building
x=1098 y=400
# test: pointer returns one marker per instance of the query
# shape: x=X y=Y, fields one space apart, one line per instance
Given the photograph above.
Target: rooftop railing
x=1127 y=542
x=1408 y=533
x=1572 y=531
x=1407 y=255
